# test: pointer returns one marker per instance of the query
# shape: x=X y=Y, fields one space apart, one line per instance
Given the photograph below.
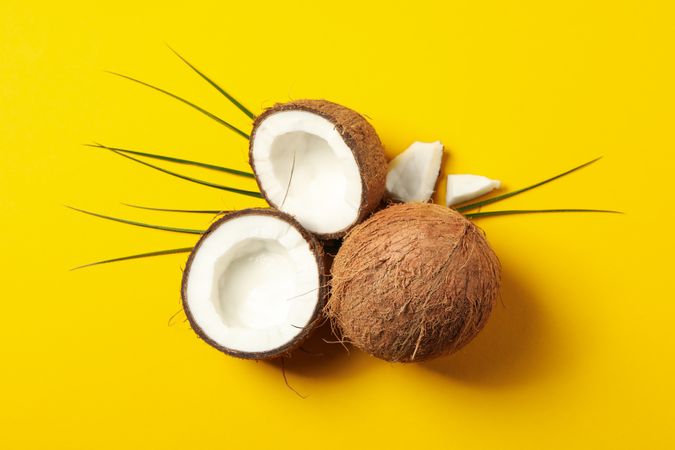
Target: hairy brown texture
x=317 y=318
x=413 y=282
x=360 y=137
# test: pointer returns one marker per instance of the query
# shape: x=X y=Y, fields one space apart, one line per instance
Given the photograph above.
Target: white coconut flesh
x=307 y=170
x=253 y=284
x=465 y=187
x=413 y=174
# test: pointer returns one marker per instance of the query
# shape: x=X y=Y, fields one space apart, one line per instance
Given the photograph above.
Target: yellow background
x=578 y=354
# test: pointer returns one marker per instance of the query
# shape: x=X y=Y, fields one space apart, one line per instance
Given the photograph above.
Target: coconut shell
x=413 y=282
x=360 y=137
x=323 y=263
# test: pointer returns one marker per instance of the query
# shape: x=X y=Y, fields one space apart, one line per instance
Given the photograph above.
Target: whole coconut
x=413 y=282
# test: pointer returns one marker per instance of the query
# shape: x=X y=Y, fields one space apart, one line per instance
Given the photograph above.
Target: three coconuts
x=410 y=281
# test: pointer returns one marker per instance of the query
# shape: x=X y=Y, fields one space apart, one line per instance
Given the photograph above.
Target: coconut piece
x=413 y=174
x=255 y=284
x=320 y=162
x=413 y=282
x=462 y=188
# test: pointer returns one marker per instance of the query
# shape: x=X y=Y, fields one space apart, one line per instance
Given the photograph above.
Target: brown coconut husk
x=413 y=282
x=360 y=137
x=322 y=260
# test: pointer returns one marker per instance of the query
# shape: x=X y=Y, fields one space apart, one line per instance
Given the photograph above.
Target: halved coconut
x=255 y=284
x=320 y=162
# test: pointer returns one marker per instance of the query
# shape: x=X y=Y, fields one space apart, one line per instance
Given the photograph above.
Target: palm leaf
x=234 y=101
x=138 y=224
x=193 y=180
x=535 y=211
x=520 y=191
x=192 y=211
x=172 y=251
x=181 y=99
x=175 y=160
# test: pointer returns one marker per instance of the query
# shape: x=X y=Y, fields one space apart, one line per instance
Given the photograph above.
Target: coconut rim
x=351 y=143
x=322 y=294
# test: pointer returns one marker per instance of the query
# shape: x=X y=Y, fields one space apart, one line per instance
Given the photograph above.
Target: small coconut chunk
x=253 y=286
x=464 y=187
x=412 y=174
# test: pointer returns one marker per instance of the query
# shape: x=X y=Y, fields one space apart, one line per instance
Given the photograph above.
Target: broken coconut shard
x=413 y=174
x=462 y=188
x=320 y=162
x=255 y=284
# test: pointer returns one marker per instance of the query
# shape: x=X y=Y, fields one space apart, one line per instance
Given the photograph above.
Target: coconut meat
x=253 y=284
x=307 y=170
x=465 y=187
x=412 y=175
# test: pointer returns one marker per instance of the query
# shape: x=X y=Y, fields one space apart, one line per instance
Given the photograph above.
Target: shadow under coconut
x=321 y=355
x=513 y=348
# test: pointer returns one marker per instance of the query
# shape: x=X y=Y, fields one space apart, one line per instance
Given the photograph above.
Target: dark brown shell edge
x=360 y=137
x=317 y=315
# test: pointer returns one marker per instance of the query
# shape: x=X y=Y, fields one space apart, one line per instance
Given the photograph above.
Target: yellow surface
x=578 y=354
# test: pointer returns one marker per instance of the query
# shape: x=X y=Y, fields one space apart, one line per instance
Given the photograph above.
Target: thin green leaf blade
x=191 y=179
x=234 y=101
x=525 y=189
x=175 y=160
x=536 y=211
x=138 y=224
x=171 y=251
x=191 y=211
x=187 y=102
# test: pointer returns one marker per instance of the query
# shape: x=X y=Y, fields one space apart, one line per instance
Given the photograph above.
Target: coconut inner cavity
x=253 y=281
x=307 y=170
x=253 y=284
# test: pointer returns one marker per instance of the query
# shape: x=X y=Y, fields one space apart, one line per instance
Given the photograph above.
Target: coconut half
x=255 y=284
x=320 y=162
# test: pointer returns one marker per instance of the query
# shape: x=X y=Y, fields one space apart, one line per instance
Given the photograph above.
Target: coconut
x=464 y=187
x=255 y=284
x=413 y=282
x=320 y=162
x=413 y=174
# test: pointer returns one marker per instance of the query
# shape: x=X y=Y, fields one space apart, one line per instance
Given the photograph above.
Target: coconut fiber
x=413 y=282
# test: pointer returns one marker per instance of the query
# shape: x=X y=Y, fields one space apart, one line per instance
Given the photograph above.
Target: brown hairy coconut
x=413 y=282
x=320 y=162
x=255 y=284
